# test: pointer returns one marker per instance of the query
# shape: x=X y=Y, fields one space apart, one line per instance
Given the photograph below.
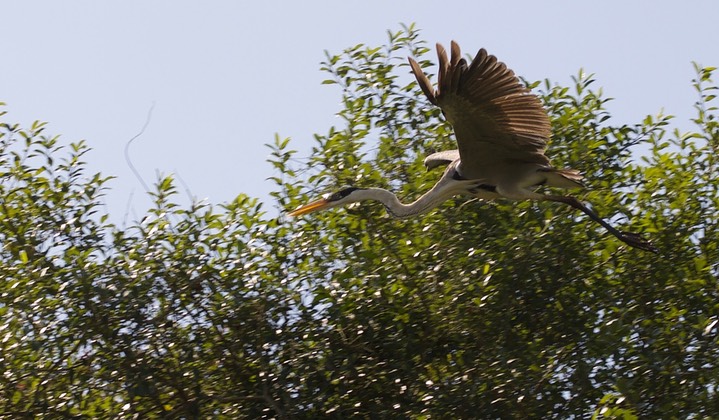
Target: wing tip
x=422 y=80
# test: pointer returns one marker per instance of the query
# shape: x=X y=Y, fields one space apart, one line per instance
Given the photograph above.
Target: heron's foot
x=636 y=241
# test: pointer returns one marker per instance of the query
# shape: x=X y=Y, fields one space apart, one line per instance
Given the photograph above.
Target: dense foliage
x=518 y=310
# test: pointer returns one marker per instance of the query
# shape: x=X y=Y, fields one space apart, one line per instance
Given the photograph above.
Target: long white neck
x=433 y=198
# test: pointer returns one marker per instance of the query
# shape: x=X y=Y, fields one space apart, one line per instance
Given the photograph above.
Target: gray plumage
x=501 y=129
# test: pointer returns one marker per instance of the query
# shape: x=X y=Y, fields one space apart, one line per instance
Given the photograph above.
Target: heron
x=501 y=129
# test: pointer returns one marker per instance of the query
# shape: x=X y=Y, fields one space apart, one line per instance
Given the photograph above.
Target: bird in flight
x=502 y=131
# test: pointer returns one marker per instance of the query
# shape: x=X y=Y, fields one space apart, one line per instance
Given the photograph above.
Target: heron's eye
x=340 y=194
x=333 y=196
x=347 y=191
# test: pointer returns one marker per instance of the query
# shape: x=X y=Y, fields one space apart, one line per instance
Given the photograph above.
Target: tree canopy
x=475 y=310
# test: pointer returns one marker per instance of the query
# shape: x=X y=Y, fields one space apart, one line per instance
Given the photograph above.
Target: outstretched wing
x=496 y=119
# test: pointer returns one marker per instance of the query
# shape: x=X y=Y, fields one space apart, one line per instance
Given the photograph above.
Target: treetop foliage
x=475 y=310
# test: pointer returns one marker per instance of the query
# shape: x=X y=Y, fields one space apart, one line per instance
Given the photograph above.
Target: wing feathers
x=494 y=91
x=493 y=114
x=423 y=81
x=443 y=69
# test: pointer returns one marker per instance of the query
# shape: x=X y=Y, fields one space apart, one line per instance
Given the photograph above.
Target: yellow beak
x=309 y=208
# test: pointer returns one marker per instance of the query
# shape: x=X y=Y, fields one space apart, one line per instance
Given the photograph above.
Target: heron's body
x=502 y=131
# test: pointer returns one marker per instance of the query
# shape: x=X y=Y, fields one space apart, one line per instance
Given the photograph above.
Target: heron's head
x=330 y=200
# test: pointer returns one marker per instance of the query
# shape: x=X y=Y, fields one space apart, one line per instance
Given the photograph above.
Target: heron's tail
x=563 y=178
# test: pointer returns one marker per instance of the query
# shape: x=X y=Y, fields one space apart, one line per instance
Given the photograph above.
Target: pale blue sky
x=225 y=76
